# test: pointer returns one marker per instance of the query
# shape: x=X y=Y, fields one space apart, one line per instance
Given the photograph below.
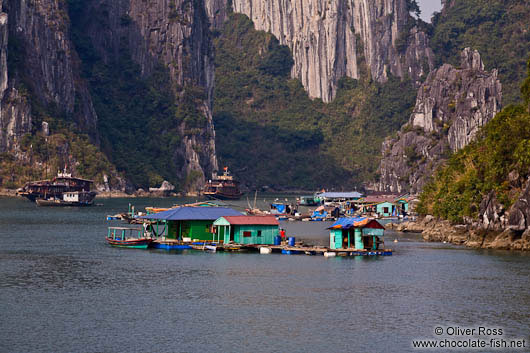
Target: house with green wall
x=356 y=233
x=386 y=209
x=250 y=230
x=191 y=223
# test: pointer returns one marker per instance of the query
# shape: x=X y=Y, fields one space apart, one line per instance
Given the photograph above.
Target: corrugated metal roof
x=193 y=214
x=252 y=220
x=340 y=195
x=357 y=222
x=378 y=199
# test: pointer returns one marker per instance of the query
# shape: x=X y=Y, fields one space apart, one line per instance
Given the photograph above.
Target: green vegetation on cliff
x=498 y=160
x=40 y=156
x=271 y=133
x=138 y=116
x=498 y=29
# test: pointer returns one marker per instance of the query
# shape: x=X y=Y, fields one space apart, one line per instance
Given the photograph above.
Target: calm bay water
x=63 y=289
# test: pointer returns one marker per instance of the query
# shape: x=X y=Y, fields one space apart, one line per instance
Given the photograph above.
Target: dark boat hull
x=219 y=196
x=61 y=203
x=141 y=243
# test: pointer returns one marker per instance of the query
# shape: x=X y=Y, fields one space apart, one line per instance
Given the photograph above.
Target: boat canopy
x=340 y=195
x=280 y=207
x=193 y=214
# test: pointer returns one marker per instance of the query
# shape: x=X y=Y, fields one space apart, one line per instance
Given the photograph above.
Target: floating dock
x=268 y=249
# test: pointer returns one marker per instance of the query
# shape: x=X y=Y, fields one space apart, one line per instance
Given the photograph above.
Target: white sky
x=427 y=7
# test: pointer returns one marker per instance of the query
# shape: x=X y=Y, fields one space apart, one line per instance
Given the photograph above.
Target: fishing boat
x=63 y=190
x=128 y=238
x=223 y=187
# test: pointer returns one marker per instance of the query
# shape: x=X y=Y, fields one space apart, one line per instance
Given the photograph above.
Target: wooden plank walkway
x=281 y=249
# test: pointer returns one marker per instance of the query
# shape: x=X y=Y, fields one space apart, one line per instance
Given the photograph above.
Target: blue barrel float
x=291 y=241
x=277 y=240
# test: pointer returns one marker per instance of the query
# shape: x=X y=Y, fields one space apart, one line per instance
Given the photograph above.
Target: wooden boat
x=63 y=190
x=128 y=238
x=76 y=199
x=223 y=187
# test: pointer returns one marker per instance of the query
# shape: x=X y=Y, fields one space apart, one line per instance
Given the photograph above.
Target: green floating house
x=250 y=230
x=193 y=223
x=356 y=233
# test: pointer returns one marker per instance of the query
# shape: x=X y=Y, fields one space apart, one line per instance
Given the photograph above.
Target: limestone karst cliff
x=43 y=66
x=451 y=106
x=169 y=34
x=42 y=76
x=330 y=39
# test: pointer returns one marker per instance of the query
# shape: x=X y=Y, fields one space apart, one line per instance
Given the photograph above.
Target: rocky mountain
x=137 y=77
x=39 y=66
x=331 y=39
x=43 y=77
x=173 y=35
x=451 y=106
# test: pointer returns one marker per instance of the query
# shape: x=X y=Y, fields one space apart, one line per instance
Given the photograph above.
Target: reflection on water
x=62 y=289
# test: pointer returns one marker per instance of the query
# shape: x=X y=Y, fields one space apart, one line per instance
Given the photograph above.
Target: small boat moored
x=128 y=238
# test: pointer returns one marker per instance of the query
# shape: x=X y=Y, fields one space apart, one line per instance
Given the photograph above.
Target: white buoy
x=265 y=250
x=330 y=254
x=395 y=240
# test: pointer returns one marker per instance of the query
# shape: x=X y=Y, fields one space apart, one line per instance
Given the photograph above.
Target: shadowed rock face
x=47 y=67
x=329 y=39
x=173 y=33
x=451 y=106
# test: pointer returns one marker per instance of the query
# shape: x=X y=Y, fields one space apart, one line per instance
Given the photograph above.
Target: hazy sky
x=427 y=7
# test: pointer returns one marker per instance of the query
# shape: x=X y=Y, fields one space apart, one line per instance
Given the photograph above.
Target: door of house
x=344 y=239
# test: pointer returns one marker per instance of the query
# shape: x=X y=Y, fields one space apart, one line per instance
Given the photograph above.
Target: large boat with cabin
x=223 y=187
x=63 y=190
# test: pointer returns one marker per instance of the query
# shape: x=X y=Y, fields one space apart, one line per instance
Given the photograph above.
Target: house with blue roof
x=356 y=233
x=193 y=223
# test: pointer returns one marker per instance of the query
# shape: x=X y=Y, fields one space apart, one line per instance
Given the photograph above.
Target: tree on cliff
x=499 y=161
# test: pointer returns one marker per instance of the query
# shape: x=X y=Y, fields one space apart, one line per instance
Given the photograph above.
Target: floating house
x=248 y=230
x=385 y=205
x=402 y=205
x=385 y=209
x=356 y=233
x=193 y=223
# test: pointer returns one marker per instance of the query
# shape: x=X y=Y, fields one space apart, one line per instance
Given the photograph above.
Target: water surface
x=63 y=289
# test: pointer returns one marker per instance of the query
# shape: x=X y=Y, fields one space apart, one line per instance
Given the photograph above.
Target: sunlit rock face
x=330 y=39
x=451 y=106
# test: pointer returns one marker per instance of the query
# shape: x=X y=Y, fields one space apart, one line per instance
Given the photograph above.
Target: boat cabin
x=188 y=223
x=249 y=230
x=358 y=233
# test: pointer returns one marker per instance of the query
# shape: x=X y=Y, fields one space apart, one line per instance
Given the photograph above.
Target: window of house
x=247 y=234
x=259 y=233
x=385 y=209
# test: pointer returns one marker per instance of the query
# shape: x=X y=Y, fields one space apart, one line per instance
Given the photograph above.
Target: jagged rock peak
x=451 y=106
x=329 y=39
x=470 y=59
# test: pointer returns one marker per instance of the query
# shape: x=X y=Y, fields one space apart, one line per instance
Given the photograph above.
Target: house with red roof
x=250 y=230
